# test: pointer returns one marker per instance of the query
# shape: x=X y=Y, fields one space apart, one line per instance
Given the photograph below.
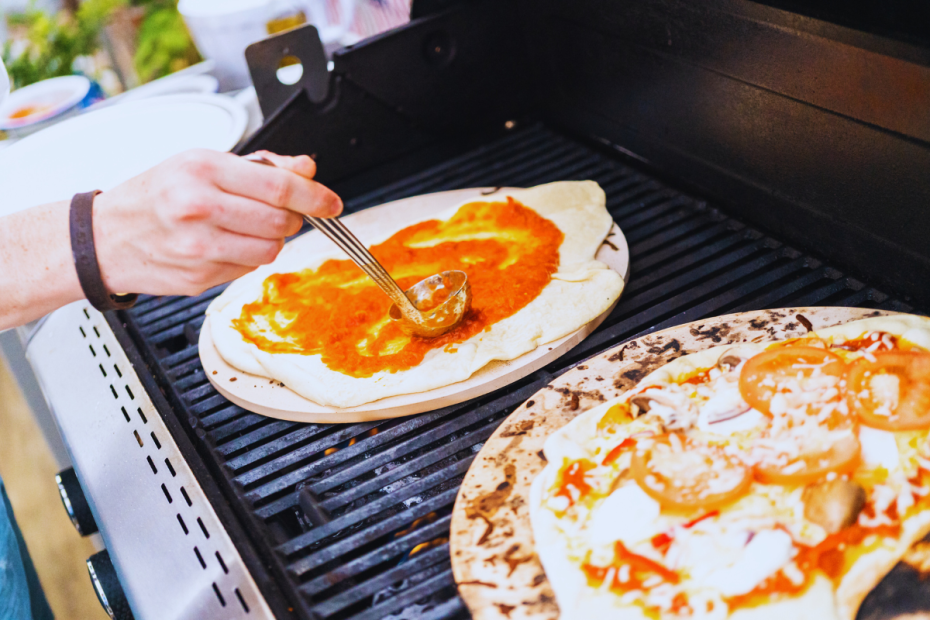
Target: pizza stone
x=561 y=542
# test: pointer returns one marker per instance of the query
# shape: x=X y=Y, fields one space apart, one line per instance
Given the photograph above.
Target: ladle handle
x=337 y=232
x=349 y=243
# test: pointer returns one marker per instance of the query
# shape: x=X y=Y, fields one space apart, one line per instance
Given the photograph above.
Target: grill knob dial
x=72 y=496
x=106 y=585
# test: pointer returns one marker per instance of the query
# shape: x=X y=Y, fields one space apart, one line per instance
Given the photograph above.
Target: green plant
x=163 y=45
x=53 y=42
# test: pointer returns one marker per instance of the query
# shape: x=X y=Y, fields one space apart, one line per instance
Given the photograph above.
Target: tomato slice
x=816 y=460
x=893 y=392
x=769 y=372
x=684 y=475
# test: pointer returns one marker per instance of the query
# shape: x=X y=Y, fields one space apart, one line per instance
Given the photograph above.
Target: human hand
x=203 y=218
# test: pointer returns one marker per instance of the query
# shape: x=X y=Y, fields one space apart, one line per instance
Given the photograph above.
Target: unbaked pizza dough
x=580 y=290
x=740 y=545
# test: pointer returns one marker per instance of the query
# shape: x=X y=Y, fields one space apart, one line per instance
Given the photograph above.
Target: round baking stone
x=494 y=560
x=273 y=399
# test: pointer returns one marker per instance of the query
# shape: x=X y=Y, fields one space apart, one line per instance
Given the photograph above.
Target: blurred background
x=67 y=59
x=121 y=45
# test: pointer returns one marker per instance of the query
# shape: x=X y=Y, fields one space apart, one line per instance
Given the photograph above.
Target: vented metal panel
x=353 y=519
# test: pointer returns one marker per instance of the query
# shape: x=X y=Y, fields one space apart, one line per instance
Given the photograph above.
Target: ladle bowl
x=441 y=300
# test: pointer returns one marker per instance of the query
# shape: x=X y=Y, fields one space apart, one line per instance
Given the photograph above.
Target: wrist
x=86 y=260
x=106 y=241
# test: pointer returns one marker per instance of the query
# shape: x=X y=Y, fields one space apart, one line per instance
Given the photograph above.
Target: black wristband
x=85 y=257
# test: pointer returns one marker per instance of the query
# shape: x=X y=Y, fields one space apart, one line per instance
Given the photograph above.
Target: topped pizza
x=314 y=321
x=771 y=480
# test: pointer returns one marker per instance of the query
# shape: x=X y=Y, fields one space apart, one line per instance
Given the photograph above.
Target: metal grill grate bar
x=387 y=527
x=397 y=548
x=372 y=509
x=401 y=450
x=422 y=590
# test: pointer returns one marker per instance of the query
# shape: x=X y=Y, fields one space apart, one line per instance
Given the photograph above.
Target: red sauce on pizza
x=573 y=485
x=829 y=557
x=508 y=251
x=876 y=341
x=632 y=571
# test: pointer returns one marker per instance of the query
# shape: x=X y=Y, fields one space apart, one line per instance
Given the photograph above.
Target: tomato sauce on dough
x=508 y=251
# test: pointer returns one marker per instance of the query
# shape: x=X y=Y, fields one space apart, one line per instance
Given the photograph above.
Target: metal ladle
x=415 y=310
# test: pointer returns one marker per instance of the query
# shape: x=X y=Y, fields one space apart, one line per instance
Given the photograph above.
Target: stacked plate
x=102 y=148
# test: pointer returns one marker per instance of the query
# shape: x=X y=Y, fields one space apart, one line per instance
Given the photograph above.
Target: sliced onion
x=729 y=415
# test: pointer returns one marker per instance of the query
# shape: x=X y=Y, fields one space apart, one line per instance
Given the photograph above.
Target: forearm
x=37 y=272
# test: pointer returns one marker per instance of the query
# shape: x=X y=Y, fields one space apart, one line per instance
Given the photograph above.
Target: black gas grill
x=334 y=512
x=352 y=521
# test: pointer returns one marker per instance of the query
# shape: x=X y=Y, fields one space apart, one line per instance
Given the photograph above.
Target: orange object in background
x=30 y=110
x=508 y=251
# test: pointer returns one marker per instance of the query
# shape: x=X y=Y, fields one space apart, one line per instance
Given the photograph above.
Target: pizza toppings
x=685 y=475
x=879 y=449
x=671 y=407
x=630 y=571
x=661 y=542
x=729 y=360
x=834 y=504
x=628 y=515
x=723 y=404
x=892 y=390
x=753 y=476
x=574 y=486
x=829 y=555
x=805 y=455
x=627 y=444
x=789 y=377
x=766 y=553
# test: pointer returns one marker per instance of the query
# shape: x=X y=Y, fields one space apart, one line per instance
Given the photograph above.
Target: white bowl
x=222 y=29
x=34 y=105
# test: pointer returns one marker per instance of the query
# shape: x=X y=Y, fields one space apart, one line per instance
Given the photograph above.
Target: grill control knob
x=72 y=496
x=106 y=585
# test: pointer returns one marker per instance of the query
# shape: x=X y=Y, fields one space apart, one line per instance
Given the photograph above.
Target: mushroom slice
x=729 y=360
x=675 y=414
x=640 y=404
x=834 y=504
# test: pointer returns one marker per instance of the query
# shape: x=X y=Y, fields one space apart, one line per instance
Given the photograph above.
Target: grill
x=352 y=520
x=754 y=158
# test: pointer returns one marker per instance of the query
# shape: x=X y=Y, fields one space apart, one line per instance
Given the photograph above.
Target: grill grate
x=354 y=519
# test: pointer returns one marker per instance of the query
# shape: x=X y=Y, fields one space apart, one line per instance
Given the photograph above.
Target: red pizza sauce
x=829 y=557
x=573 y=485
x=508 y=251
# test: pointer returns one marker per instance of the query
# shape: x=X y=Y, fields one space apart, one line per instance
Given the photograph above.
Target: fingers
x=255 y=219
x=279 y=187
x=302 y=164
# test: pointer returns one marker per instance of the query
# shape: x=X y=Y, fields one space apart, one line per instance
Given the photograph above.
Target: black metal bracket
x=264 y=58
x=437 y=77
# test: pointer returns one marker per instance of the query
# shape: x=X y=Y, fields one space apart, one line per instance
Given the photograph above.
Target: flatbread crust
x=580 y=291
x=578 y=600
